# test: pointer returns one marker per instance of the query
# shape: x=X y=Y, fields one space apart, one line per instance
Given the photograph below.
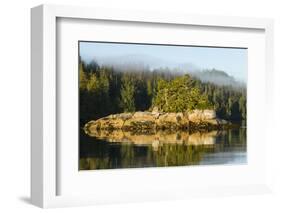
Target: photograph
x=161 y=105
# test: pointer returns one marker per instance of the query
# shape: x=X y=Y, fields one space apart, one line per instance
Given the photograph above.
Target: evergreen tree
x=93 y=83
x=82 y=78
x=179 y=95
x=127 y=94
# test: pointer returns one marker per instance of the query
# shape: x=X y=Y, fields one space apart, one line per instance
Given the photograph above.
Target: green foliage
x=179 y=95
x=229 y=102
x=127 y=94
x=82 y=77
x=93 y=83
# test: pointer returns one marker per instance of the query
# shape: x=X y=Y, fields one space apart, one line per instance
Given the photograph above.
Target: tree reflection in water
x=117 y=149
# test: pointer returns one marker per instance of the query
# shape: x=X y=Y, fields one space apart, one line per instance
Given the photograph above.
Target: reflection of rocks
x=199 y=138
x=156 y=139
x=152 y=121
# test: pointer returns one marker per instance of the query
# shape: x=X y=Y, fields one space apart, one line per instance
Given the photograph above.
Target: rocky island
x=196 y=120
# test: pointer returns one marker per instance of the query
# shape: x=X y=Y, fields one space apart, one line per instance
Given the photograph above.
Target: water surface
x=118 y=149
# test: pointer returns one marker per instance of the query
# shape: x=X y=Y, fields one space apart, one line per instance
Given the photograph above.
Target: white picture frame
x=44 y=147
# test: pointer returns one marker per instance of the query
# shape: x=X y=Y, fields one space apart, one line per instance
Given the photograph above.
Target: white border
x=43 y=192
x=141 y=181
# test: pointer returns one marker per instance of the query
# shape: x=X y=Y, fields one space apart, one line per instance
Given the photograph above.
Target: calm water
x=110 y=150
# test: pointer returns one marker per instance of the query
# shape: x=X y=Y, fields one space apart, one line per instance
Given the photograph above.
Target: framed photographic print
x=131 y=105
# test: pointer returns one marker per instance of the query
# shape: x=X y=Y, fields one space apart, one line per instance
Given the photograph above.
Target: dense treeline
x=228 y=101
x=104 y=90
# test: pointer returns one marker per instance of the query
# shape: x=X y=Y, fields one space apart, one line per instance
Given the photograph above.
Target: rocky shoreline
x=196 y=120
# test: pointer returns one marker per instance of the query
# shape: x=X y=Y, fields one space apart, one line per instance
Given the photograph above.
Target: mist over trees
x=104 y=90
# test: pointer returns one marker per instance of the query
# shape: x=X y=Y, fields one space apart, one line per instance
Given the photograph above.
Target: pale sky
x=230 y=60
